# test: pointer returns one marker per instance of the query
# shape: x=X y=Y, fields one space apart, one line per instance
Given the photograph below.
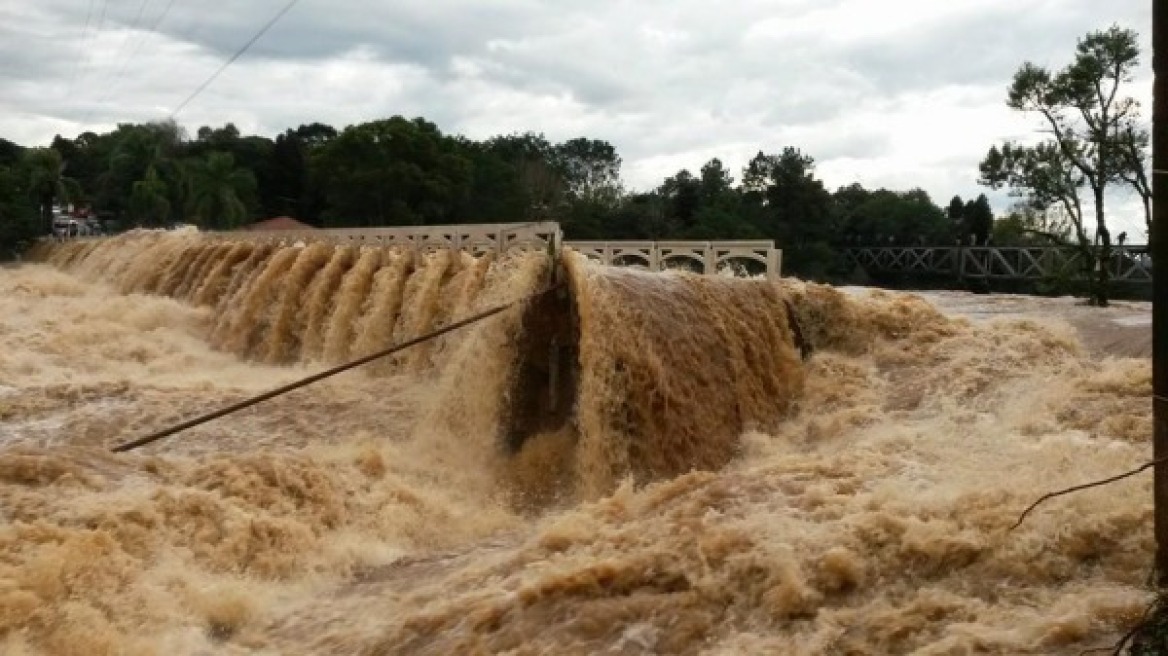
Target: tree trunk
x=1102 y=274
x=1147 y=215
x=1160 y=282
x=1088 y=254
x=47 y=212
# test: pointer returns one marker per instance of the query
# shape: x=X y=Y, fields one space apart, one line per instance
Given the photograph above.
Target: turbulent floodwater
x=864 y=510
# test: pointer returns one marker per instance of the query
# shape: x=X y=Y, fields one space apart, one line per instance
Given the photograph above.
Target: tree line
x=400 y=171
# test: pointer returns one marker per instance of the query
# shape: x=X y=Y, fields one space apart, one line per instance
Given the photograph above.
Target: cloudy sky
x=892 y=93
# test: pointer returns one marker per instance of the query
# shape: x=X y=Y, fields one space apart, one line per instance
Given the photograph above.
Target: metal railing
x=1130 y=264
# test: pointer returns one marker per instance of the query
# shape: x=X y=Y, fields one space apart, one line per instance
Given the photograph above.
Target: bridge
x=473 y=238
x=1127 y=264
x=701 y=256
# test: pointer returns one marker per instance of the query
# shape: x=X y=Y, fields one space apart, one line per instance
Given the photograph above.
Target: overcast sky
x=889 y=93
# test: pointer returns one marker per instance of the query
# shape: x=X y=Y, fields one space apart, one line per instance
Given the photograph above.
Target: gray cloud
x=985 y=48
x=894 y=93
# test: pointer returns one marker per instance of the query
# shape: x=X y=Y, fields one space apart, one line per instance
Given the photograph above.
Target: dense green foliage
x=19 y=220
x=398 y=171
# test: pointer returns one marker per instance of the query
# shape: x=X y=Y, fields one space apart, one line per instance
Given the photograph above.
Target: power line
x=125 y=41
x=239 y=53
x=110 y=89
x=133 y=26
x=152 y=30
x=84 y=50
x=89 y=52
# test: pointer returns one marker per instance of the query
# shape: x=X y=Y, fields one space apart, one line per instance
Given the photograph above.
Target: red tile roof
x=279 y=223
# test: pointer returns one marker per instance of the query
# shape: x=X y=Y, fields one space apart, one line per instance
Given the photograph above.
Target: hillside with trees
x=400 y=171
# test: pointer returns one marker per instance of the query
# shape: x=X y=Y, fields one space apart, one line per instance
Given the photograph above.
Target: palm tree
x=149 y=199
x=47 y=182
x=216 y=191
x=133 y=150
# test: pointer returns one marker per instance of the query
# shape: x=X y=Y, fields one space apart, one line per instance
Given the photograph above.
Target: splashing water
x=462 y=500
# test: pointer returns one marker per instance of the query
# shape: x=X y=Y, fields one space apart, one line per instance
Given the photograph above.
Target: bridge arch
x=631 y=258
x=749 y=264
x=688 y=261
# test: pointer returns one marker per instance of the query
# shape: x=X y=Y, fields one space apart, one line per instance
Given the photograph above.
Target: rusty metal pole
x=1159 y=244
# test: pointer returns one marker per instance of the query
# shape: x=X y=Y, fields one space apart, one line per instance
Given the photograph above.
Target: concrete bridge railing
x=475 y=238
x=704 y=256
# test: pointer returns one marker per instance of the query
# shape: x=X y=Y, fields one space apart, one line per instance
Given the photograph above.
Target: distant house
x=279 y=223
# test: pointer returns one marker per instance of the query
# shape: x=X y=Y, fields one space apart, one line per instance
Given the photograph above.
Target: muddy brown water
x=858 y=503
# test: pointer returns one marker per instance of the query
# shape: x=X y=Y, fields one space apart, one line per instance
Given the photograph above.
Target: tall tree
x=393 y=172
x=896 y=217
x=251 y=152
x=10 y=153
x=218 y=192
x=591 y=170
x=129 y=152
x=540 y=176
x=311 y=138
x=315 y=135
x=18 y=213
x=719 y=215
x=790 y=205
x=1084 y=109
x=1046 y=178
x=979 y=219
x=1024 y=225
x=288 y=177
x=1133 y=149
x=681 y=195
x=956 y=214
x=716 y=181
x=844 y=203
x=149 y=200
x=47 y=182
x=640 y=216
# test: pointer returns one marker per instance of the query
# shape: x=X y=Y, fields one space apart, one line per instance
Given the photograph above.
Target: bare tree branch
x=1076 y=488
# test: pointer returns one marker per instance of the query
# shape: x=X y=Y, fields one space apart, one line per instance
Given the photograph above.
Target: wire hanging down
x=190 y=423
x=238 y=53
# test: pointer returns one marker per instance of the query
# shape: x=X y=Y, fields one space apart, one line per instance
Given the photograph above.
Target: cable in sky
x=237 y=55
x=106 y=82
x=153 y=29
x=85 y=65
x=126 y=40
x=110 y=88
x=84 y=48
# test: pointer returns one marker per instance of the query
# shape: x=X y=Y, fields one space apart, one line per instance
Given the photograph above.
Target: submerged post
x=1159 y=242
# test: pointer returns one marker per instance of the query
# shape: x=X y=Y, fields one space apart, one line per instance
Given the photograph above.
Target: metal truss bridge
x=1127 y=264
